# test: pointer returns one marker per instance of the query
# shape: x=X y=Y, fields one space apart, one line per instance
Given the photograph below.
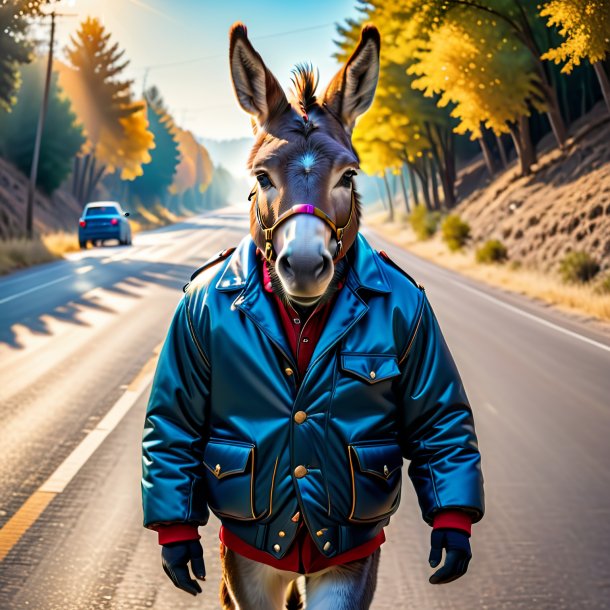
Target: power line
x=219 y=55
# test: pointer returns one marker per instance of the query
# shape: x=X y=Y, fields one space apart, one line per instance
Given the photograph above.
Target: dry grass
x=61 y=242
x=548 y=287
x=145 y=220
x=19 y=253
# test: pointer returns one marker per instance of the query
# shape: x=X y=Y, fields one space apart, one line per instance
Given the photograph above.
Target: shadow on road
x=66 y=301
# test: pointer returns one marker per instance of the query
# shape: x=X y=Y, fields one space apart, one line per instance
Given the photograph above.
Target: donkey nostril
x=284 y=267
x=322 y=267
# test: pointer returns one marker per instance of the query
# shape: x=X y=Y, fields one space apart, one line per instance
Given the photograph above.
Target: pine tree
x=158 y=175
x=118 y=138
x=61 y=140
x=585 y=25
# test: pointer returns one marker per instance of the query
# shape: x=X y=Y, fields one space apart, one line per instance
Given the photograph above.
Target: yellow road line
x=21 y=521
x=34 y=506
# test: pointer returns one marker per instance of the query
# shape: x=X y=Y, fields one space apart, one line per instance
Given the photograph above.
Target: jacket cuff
x=177 y=532
x=453 y=519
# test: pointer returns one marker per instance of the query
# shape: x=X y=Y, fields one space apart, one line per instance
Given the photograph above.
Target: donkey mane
x=305 y=82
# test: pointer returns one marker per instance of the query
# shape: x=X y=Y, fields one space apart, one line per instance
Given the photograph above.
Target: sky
x=181 y=46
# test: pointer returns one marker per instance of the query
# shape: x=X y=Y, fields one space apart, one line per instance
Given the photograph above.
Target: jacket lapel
x=242 y=275
x=349 y=308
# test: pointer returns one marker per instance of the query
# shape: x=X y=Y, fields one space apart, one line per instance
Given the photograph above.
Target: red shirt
x=303 y=556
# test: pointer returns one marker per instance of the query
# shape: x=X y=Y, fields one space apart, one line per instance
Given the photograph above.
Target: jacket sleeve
x=173 y=441
x=437 y=427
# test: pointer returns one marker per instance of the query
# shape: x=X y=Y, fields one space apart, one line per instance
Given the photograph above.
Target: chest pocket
x=371 y=368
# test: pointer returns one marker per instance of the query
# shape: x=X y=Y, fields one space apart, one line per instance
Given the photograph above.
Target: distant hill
x=231 y=154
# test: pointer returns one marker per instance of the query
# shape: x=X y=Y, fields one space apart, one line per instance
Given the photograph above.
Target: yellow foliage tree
x=195 y=168
x=116 y=126
x=483 y=70
x=585 y=25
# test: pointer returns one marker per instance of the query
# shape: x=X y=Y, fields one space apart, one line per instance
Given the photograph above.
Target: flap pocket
x=371 y=368
x=376 y=480
x=224 y=458
x=381 y=460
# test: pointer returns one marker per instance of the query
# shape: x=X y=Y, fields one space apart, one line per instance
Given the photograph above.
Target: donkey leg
x=253 y=585
x=346 y=587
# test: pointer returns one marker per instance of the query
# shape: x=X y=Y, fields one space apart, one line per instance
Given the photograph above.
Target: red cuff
x=177 y=532
x=453 y=519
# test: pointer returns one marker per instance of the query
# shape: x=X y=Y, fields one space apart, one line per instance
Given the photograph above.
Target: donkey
x=299 y=370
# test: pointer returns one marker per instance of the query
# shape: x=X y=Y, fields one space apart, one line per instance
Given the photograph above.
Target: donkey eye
x=346 y=179
x=264 y=180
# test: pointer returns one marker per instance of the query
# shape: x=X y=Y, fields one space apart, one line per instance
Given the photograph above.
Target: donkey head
x=305 y=210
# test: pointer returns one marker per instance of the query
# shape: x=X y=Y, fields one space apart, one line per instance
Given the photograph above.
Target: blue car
x=103 y=220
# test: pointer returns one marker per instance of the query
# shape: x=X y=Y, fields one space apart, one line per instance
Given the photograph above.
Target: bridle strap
x=303 y=208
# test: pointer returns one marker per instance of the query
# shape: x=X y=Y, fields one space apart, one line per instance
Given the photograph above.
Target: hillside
x=58 y=212
x=563 y=206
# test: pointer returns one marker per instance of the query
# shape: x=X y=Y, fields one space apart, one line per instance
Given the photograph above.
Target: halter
x=303 y=208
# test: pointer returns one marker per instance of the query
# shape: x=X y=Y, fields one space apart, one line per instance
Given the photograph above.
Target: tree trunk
x=424 y=179
x=413 y=184
x=604 y=83
x=434 y=185
x=486 y=156
x=502 y=151
x=80 y=187
x=554 y=114
x=526 y=152
x=405 y=193
x=389 y=193
x=381 y=197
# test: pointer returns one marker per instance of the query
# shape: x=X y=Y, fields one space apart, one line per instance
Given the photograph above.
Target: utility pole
x=29 y=221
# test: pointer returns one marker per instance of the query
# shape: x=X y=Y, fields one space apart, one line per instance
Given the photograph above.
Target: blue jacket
x=231 y=428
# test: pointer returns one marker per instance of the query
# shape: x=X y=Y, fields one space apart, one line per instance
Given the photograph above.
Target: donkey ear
x=257 y=90
x=351 y=91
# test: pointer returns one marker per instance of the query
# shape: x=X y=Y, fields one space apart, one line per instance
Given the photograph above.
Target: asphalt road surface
x=77 y=343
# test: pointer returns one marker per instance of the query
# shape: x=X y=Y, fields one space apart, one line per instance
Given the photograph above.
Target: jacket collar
x=241 y=272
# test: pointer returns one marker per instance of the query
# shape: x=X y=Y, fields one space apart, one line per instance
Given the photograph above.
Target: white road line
x=450 y=275
x=531 y=316
x=68 y=469
x=34 y=288
x=490 y=408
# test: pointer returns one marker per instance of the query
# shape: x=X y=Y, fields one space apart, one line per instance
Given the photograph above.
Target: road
x=77 y=342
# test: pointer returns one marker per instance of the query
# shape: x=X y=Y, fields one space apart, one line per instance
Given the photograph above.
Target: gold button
x=372 y=375
x=300 y=417
x=276 y=548
x=300 y=472
x=281 y=534
x=288 y=371
x=327 y=546
x=319 y=533
x=217 y=469
x=386 y=470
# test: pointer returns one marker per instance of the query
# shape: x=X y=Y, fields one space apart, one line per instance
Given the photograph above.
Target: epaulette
x=388 y=260
x=219 y=256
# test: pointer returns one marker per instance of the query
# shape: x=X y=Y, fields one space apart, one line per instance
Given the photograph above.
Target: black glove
x=176 y=556
x=457 y=556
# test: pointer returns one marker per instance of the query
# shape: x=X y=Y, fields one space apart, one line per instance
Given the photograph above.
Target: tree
x=158 y=175
x=585 y=25
x=481 y=68
x=117 y=134
x=62 y=136
x=521 y=18
x=15 y=48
